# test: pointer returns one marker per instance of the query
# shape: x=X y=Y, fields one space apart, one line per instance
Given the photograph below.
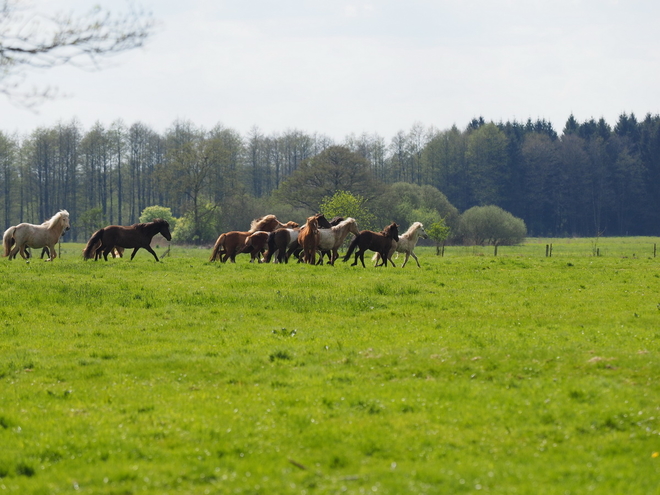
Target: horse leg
x=133 y=253
x=16 y=250
x=53 y=253
x=148 y=248
x=412 y=253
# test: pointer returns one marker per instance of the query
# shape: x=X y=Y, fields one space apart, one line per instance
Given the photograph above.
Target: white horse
x=16 y=239
x=406 y=243
x=333 y=238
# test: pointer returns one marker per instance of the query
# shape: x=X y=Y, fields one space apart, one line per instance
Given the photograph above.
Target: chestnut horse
x=229 y=244
x=136 y=236
x=24 y=235
x=308 y=238
x=380 y=242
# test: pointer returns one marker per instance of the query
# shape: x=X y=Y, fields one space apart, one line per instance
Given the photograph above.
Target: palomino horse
x=308 y=238
x=331 y=239
x=229 y=244
x=406 y=243
x=380 y=242
x=17 y=239
x=136 y=236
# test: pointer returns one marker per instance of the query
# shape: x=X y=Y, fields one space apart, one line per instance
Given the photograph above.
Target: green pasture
x=516 y=374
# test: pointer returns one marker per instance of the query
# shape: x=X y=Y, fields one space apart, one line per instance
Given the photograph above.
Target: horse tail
x=351 y=248
x=8 y=240
x=92 y=245
x=219 y=244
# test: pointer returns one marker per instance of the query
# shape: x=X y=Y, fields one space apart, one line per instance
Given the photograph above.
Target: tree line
x=593 y=179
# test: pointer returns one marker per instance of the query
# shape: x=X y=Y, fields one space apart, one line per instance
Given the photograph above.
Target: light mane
x=258 y=223
x=412 y=229
x=56 y=218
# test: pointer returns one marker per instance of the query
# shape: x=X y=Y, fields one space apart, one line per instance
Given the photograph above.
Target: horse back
x=126 y=237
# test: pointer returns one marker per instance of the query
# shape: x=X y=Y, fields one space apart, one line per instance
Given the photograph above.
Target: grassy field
x=509 y=374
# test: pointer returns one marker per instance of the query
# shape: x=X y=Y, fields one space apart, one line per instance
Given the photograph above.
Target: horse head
x=63 y=220
x=392 y=230
x=420 y=230
x=164 y=228
x=352 y=226
x=313 y=224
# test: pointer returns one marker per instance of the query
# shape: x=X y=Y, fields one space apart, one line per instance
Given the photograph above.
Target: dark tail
x=92 y=245
x=351 y=248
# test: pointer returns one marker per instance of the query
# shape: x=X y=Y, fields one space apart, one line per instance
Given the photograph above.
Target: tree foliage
x=151 y=213
x=334 y=169
x=595 y=179
x=345 y=204
x=439 y=232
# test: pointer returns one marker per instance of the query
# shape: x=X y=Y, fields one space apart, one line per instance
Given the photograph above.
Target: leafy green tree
x=91 y=220
x=334 y=169
x=346 y=204
x=200 y=229
x=438 y=232
x=150 y=213
x=491 y=225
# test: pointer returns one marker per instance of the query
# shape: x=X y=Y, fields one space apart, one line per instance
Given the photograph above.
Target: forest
x=593 y=179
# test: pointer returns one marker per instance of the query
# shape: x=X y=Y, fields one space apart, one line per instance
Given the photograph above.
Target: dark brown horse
x=308 y=238
x=229 y=244
x=374 y=241
x=136 y=236
x=279 y=241
x=255 y=244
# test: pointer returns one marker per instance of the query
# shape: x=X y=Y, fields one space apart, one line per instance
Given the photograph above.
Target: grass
x=515 y=374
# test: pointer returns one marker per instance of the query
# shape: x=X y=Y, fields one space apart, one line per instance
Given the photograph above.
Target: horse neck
x=151 y=229
x=56 y=228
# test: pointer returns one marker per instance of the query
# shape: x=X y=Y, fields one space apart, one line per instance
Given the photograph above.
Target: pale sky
x=338 y=67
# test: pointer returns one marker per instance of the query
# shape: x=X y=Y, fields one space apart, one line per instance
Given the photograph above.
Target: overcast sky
x=338 y=67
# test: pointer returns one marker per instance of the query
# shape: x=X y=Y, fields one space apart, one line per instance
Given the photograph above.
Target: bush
x=492 y=225
x=151 y=213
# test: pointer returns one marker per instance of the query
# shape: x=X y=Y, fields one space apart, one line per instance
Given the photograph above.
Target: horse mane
x=260 y=223
x=342 y=222
x=387 y=231
x=412 y=229
x=55 y=218
x=148 y=225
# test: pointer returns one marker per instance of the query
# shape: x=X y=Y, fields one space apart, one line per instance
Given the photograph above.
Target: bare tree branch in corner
x=31 y=40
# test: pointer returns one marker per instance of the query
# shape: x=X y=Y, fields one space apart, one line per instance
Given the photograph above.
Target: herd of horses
x=270 y=240
x=267 y=240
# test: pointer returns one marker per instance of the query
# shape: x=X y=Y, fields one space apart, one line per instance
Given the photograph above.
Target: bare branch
x=33 y=41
